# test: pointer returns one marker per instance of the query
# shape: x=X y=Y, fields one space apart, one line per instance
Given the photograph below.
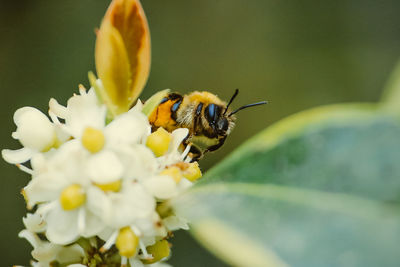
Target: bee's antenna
x=231 y=100
x=247 y=106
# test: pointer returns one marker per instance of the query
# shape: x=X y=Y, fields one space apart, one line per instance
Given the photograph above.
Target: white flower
x=104 y=167
x=85 y=120
x=94 y=180
x=65 y=227
x=34 y=131
x=161 y=186
x=62 y=193
x=128 y=129
x=45 y=252
x=122 y=208
x=83 y=110
x=34 y=223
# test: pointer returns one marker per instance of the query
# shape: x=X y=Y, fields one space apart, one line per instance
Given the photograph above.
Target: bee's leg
x=195 y=153
x=197 y=118
x=215 y=147
x=154 y=128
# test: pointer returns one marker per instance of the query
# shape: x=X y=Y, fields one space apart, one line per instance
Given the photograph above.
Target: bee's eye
x=210 y=113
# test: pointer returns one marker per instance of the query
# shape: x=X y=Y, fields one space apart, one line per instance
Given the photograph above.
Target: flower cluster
x=100 y=189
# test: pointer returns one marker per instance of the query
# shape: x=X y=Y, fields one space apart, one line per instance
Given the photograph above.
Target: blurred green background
x=296 y=54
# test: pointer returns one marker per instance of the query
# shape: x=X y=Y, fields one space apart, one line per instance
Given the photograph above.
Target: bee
x=208 y=119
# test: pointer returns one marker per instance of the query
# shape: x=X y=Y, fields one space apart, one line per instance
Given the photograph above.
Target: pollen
x=113 y=186
x=72 y=197
x=93 y=140
x=159 y=141
x=174 y=172
x=193 y=172
x=127 y=242
x=159 y=251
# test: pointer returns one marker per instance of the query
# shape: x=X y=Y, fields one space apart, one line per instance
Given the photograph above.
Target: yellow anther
x=72 y=197
x=193 y=172
x=127 y=242
x=174 y=172
x=93 y=139
x=159 y=141
x=159 y=251
x=113 y=186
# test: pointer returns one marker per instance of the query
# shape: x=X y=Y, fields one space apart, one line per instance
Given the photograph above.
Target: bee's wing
x=123 y=53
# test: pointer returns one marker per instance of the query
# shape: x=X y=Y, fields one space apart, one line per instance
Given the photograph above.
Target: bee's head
x=216 y=119
x=219 y=120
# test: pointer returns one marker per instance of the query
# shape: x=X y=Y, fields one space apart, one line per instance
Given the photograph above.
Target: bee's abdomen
x=165 y=113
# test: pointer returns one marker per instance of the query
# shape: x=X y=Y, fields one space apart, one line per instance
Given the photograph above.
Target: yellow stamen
x=193 y=172
x=159 y=251
x=159 y=141
x=72 y=197
x=92 y=139
x=174 y=172
x=113 y=186
x=127 y=242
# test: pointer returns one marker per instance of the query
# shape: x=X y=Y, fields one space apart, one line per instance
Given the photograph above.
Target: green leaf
x=320 y=188
x=391 y=95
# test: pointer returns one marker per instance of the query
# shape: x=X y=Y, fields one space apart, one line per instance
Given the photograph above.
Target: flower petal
x=127 y=129
x=34 y=129
x=177 y=137
x=123 y=208
x=97 y=202
x=17 y=156
x=32 y=238
x=139 y=162
x=62 y=226
x=174 y=223
x=59 y=110
x=47 y=252
x=43 y=188
x=34 y=222
x=161 y=187
x=104 y=167
x=84 y=111
x=93 y=224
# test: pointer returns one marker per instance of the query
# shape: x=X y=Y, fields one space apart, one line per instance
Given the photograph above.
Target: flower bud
x=123 y=54
x=34 y=130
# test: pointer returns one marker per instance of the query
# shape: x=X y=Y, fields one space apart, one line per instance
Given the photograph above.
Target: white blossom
x=45 y=252
x=92 y=179
x=34 y=131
